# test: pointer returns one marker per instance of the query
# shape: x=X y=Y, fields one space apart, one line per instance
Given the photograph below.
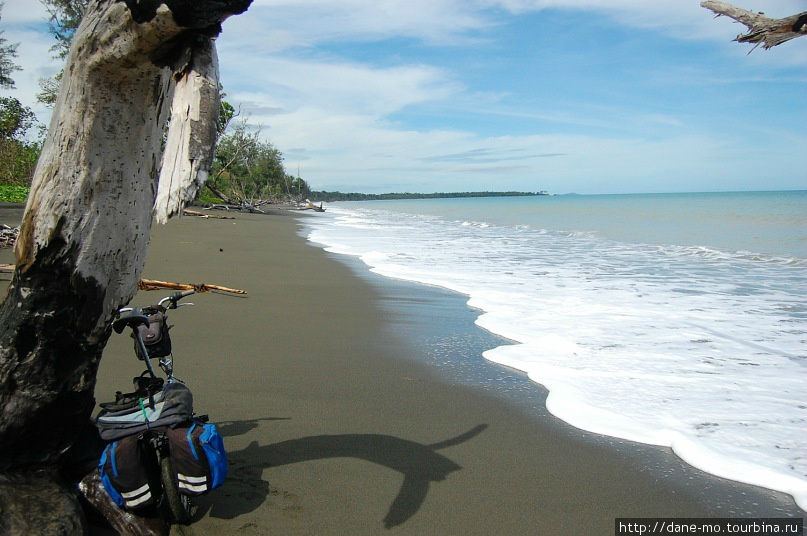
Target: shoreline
x=514 y=387
x=335 y=423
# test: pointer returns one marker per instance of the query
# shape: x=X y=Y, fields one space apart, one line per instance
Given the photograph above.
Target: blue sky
x=586 y=96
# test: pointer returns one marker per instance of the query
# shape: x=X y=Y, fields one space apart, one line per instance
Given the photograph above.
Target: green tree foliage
x=247 y=169
x=7 y=65
x=15 y=119
x=65 y=16
x=226 y=114
x=13 y=194
x=49 y=89
x=17 y=155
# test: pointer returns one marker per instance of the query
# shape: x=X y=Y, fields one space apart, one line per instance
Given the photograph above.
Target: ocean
x=677 y=320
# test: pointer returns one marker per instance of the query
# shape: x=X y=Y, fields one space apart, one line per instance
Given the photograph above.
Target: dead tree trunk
x=761 y=29
x=97 y=187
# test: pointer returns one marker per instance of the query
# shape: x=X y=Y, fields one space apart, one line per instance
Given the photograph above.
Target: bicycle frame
x=171 y=504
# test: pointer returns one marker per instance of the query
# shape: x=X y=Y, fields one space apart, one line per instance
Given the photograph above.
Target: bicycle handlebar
x=175 y=297
x=137 y=318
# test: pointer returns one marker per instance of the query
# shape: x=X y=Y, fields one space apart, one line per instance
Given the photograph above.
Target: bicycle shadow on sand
x=419 y=464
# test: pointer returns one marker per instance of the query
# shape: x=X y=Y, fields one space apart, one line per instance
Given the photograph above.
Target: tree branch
x=221 y=195
x=761 y=29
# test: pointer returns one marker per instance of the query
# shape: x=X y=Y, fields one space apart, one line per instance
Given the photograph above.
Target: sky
x=583 y=96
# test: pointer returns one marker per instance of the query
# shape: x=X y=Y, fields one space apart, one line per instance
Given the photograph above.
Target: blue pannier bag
x=108 y=458
x=123 y=475
x=198 y=457
x=213 y=445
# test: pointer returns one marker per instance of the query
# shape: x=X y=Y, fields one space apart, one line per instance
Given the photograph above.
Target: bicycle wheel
x=179 y=506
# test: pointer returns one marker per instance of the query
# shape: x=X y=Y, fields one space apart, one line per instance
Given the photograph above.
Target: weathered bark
x=37 y=504
x=192 y=133
x=761 y=29
x=83 y=239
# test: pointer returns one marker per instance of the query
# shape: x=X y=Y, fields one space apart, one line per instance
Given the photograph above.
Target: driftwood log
x=311 y=206
x=8 y=236
x=100 y=181
x=151 y=284
x=762 y=30
x=198 y=214
x=125 y=523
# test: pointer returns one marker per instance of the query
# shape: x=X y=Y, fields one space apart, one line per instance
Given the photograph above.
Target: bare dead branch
x=762 y=30
x=198 y=214
x=221 y=195
x=152 y=284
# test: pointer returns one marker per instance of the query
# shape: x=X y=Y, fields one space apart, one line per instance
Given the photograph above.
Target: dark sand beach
x=338 y=421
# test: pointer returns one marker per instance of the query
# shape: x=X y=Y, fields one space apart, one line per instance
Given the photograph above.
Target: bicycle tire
x=179 y=506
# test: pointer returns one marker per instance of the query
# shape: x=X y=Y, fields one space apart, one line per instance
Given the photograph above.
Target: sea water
x=677 y=320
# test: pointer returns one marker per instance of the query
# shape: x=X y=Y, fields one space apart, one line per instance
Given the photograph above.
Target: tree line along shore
x=340 y=196
x=18 y=194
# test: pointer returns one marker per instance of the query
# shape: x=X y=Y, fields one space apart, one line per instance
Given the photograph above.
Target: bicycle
x=147 y=414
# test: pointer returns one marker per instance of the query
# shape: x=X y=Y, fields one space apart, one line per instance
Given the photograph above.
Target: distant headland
x=340 y=196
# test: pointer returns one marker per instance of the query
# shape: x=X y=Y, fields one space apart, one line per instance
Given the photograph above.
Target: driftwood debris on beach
x=762 y=30
x=198 y=214
x=152 y=284
x=257 y=206
x=311 y=206
x=123 y=522
x=8 y=236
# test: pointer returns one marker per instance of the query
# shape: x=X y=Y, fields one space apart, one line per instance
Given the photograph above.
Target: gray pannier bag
x=170 y=406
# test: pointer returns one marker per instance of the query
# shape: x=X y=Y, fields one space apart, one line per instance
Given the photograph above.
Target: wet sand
x=334 y=424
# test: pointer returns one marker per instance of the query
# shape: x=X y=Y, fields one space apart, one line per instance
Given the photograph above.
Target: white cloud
x=352 y=152
x=285 y=83
x=24 y=22
x=682 y=19
x=336 y=113
x=285 y=23
x=23 y=12
x=308 y=22
x=34 y=56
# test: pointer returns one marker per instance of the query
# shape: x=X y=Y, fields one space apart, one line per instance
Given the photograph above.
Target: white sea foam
x=692 y=348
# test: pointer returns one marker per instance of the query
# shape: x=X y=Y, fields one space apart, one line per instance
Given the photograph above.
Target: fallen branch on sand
x=198 y=214
x=151 y=284
x=311 y=206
